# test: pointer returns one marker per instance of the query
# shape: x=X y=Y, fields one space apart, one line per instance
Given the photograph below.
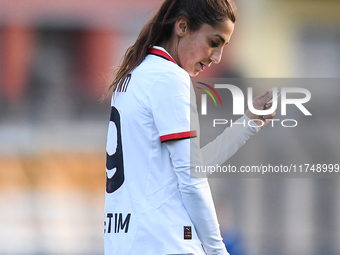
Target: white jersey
x=152 y=205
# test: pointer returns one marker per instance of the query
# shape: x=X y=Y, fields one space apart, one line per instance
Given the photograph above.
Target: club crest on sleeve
x=187 y=233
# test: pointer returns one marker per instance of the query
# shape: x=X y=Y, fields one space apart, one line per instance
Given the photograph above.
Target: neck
x=171 y=47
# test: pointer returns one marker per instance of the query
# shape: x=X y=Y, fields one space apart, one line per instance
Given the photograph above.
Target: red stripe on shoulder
x=178 y=136
x=162 y=54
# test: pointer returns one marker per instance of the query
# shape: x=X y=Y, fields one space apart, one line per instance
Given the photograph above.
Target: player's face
x=198 y=50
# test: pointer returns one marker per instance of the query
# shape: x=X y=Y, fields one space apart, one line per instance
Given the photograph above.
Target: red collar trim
x=161 y=53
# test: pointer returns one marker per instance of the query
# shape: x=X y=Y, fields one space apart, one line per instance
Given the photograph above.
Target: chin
x=194 y=74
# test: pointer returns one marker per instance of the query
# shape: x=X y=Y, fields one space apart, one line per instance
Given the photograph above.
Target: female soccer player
x=152 y=205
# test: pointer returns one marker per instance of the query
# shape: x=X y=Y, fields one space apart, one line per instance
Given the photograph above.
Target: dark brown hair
x=160 y=28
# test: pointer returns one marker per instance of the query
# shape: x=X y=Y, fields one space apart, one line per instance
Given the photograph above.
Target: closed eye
x=214 y=44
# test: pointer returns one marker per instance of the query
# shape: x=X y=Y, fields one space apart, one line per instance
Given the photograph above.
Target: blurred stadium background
x=56 y=58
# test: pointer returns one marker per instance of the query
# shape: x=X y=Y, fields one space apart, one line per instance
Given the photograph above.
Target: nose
x=216 y=55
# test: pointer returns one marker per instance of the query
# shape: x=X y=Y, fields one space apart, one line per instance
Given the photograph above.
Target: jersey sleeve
x=169 y=99
x=196 y=195
x=226 y=144
x=195 y=192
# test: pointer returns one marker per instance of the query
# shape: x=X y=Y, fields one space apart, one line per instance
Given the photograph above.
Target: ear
x=181 y=26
